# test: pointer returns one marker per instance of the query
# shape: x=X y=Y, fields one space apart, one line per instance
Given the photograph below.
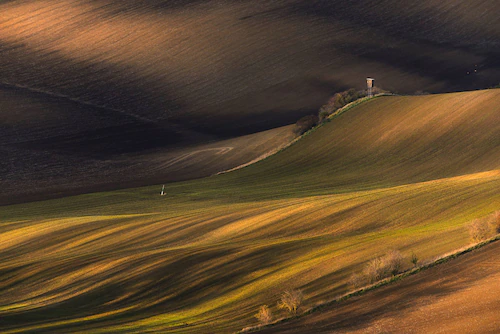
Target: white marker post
x=162 y=191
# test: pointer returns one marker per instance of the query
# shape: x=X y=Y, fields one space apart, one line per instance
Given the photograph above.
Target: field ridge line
x=318 y=307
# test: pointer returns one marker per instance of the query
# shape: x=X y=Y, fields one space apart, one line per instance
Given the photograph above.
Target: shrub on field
x=484 y=228
x=385 y=266
x=291 y=301
x=356 y=281
x=323 y=115
x=477 y=231
x=414 y=259
x=305 y=124
x=394 y=262
x=264 y=315
x=338 y=100
x=374 y=270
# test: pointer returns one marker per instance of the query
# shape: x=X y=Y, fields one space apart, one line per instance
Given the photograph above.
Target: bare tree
x=382 y=267
x=264 y=315
x=480 y=230
x=356 y=281
x=291 y=301
x=414 y=259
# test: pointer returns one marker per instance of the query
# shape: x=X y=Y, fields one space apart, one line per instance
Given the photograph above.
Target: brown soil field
x=101 y=84
x=460 y=296
x=52 y=146
x=232 y=67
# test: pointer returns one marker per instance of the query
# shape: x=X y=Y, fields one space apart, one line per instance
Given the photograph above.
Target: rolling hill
x=53 y=146
x=395 y=172
x=97 y=85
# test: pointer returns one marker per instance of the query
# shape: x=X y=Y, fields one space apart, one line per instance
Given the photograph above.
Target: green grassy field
x=401 y=173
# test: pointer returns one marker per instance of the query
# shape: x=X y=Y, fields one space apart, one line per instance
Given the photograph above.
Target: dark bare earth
x=47 y=151
x=115 y=78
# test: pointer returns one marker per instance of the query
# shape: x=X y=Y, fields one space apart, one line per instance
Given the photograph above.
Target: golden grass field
x=395 y=172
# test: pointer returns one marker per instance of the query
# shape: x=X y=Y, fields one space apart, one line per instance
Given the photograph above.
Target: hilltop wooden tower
x=369 y=85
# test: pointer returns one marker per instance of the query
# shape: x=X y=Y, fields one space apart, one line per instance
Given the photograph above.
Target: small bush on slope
x=414 y=259
x=265 y=316
x=356 y=281
x=305 y=124
x=338 y=100
x=483 y=228
x=381 y=267
x=291 y=301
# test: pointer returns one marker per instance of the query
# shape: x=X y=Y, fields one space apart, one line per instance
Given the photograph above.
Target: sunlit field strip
x=320 y=254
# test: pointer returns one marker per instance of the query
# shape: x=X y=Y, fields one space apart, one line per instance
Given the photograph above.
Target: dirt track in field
x=183 y=157
x=460 y=296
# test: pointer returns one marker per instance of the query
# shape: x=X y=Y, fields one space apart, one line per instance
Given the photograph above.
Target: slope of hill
x=387 y=142
x=230 y=67
x=458 y=297
x=53 y=146
x=403 y=173
x=153 y=74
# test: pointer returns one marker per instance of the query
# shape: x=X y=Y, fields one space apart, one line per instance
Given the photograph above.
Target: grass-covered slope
x=386 y=142
x=401 y=173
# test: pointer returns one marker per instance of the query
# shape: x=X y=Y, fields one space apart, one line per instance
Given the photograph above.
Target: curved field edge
x=387 y=142
x=204 y=257
x=55 y=147
x=324 y=306
x=279 y=149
